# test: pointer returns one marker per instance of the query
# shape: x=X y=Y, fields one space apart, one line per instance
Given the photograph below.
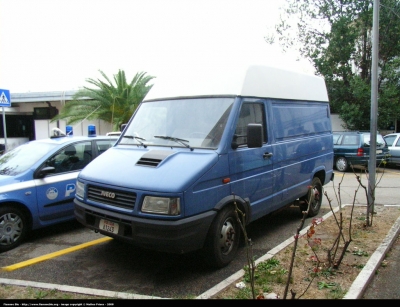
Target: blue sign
x=5 y=99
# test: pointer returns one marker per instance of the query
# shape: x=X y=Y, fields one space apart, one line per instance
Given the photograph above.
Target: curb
x=79 y=290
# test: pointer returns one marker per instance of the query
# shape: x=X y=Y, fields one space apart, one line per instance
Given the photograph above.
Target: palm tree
x=112 y=103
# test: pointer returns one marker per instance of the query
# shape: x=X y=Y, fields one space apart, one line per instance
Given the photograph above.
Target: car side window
x=84 y=153
x=103 y=145
x=71 y=158
x=350 y=140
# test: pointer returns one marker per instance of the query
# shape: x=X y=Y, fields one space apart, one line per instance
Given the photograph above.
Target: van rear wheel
x=314 y=196
x=223 y=238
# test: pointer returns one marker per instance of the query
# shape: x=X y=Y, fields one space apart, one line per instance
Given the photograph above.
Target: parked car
x=393 y=142
x=351 y=148
x=38 y=182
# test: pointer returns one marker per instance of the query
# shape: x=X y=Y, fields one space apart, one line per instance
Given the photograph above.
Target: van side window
x=250 y=113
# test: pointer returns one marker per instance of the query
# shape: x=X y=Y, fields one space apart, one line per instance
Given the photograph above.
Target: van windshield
x=194 y=123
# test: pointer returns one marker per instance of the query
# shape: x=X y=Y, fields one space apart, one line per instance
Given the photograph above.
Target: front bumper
x=180 y=236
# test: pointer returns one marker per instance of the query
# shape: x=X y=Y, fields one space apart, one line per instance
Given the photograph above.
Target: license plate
x=108 y=226
x=379 y=151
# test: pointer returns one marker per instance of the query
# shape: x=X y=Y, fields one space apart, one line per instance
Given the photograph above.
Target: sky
x=56 y=45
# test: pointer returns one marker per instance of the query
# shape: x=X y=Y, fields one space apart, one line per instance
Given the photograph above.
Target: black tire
x=341 y=164
x=315 y=195
x=223 y=239
x=13 y=228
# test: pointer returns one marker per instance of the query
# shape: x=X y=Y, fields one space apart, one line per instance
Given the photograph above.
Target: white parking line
x=80 y=290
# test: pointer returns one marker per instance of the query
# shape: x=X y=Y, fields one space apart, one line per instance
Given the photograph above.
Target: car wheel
x=13 y=227
x=314 y=196
x=341 y=164
x=223 y=238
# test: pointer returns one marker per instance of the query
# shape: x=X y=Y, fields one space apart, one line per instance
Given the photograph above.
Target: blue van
x=201 y=149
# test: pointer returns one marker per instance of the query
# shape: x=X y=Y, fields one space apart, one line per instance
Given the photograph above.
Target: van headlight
x=161 y=205
x=80 y=189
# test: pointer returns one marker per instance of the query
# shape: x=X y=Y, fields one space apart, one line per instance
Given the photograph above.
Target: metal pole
x=5 y=131
x=374 y=109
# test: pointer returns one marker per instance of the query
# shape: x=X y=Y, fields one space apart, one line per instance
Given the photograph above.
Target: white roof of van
x=252 y=80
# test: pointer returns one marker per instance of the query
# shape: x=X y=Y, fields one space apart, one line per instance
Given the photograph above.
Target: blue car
x=38 y=182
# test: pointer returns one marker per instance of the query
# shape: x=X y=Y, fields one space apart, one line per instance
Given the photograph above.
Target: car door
x=56 y=191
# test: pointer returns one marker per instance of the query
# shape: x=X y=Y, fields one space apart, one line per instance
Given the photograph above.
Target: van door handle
x=267 y=155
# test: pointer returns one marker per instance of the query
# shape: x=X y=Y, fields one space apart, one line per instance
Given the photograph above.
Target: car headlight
x=161 y=205
x=80 y=189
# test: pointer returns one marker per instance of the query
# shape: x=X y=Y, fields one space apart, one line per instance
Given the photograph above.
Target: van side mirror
x=255 y=135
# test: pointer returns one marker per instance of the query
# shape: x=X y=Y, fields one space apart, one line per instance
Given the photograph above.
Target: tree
x=113 y=104
x=336 y=37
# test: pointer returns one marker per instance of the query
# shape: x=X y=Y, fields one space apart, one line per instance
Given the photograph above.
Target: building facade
x=28 y=118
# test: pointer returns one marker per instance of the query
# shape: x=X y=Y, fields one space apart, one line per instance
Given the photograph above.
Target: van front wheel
x=223 y=238
x=314 y=196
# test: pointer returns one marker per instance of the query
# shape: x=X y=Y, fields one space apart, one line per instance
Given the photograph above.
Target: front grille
x=120 y=198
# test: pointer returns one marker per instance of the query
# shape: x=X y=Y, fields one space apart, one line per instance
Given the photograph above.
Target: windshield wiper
x=137 y=138
x=178 y=140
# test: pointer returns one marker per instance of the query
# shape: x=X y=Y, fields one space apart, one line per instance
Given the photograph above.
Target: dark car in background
x=352 y=148
x=393 y=142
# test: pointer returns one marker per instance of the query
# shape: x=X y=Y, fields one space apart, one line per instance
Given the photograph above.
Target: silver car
x=393 y=142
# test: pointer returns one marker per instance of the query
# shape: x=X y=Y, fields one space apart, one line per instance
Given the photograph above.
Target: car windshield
x=390 y=139
x=23 y=157
x=191 y=123
x=335 y=138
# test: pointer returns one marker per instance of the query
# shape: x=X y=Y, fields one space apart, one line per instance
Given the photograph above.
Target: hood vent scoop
x=153 y=158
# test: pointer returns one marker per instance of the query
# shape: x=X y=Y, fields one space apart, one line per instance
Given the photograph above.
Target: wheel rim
x=341 y=164
x=11 y=227
x=316 y=196
x=227 y=236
